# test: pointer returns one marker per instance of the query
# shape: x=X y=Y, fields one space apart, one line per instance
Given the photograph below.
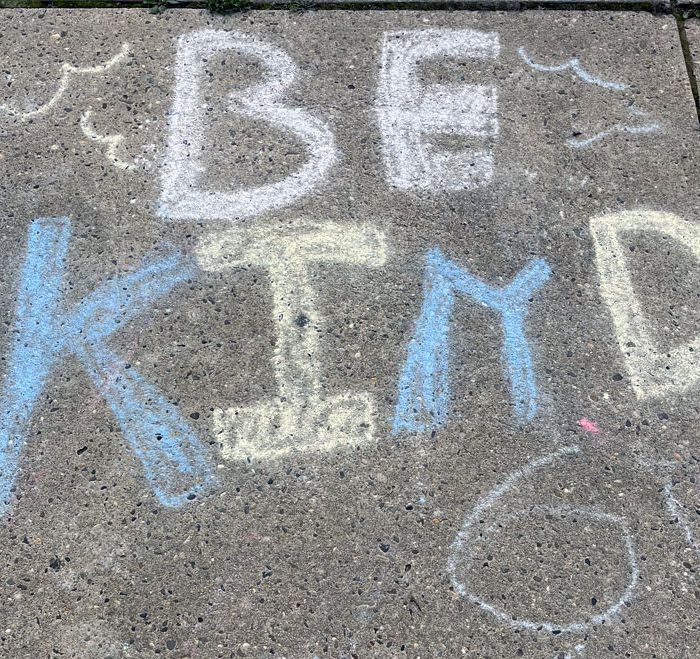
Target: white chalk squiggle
x=620 y=128
x=111 y=141
x=573 y=64
x=675 y=508
x=67 y=72
x=467 y=534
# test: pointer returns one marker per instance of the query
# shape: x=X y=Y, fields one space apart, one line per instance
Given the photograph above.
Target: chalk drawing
x=410 y=114
x=577 y=143
x=302 y=418
x=33 y=344
x=183 y=196
x=676 y=509
x=112 y=142
x=677 y=512
x=471 y=531
x=588 y=425
x=653 y=371
x=172 y=456
x=423 y=391
x=68 y=72
x=575 y=65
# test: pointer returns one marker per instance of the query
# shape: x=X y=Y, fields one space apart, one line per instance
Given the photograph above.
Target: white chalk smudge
x=579 y=651
x=68 y=72
x=112 y=142
x=676 y=509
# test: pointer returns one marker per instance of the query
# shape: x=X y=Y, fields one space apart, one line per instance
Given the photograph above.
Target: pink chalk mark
x=588 y=425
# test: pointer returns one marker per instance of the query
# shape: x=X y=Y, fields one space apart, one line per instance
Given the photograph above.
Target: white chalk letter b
x=184 y=195
x=412 y=115
x=653 y=370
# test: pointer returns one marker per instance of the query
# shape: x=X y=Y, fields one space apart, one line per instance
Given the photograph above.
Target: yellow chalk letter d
x=653 y=370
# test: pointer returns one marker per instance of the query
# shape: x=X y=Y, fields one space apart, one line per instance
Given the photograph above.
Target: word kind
x=299 y=415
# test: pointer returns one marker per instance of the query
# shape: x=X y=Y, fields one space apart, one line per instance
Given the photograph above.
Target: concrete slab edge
x=654 y=6
x=693 y=73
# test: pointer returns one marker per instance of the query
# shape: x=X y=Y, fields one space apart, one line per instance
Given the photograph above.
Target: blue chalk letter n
x=173 y=458
x=423 y=396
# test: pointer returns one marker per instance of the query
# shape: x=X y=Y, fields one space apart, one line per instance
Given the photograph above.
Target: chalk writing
x=579 y=143
x=173 y=458
x=653 y=371
x=423 y=392
x=68 y=72
x=618 y=129
x=302 y=418
x=409 y=114
x=112 y=142
x=575 y=65
x=183 y=197
x=470 y=531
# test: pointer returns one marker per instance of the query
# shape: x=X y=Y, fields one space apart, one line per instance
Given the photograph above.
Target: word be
x=408 y=116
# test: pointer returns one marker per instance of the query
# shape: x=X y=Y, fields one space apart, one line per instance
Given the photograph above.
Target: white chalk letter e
x=411 y=115
x=653 y=371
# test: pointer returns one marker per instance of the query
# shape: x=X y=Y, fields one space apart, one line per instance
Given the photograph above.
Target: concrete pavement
x=348 y=334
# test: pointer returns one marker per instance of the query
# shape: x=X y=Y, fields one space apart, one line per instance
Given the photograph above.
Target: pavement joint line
x=688 y=57
x=653 y=6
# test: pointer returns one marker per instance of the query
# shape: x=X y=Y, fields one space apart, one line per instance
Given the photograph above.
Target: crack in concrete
x=687 y=55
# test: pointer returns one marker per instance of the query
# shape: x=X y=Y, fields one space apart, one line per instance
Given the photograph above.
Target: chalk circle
x=466 y=539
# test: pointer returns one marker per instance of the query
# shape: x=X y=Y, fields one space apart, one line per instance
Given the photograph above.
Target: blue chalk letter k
x=173 y=458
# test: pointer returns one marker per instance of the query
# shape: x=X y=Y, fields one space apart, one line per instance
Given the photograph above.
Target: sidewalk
x=349 y=334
